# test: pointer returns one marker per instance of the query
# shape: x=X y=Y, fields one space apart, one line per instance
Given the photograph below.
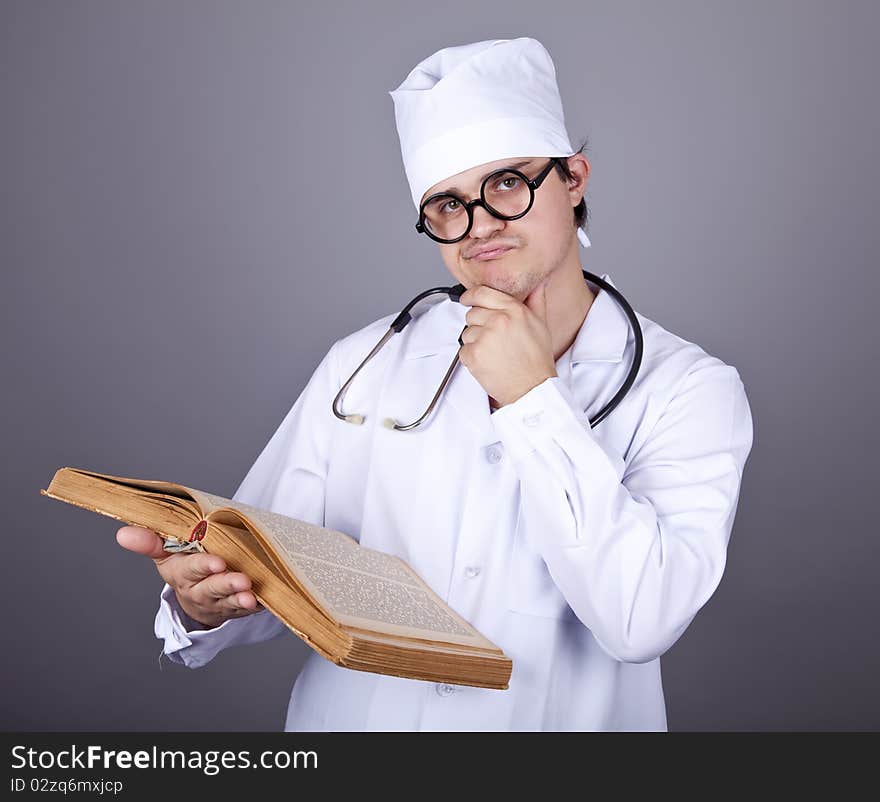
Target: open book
x=358 y=607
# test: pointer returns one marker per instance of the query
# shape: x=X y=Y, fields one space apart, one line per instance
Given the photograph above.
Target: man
x=583 y=552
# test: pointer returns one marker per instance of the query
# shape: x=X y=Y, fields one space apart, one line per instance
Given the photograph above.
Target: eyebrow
x=514 y=166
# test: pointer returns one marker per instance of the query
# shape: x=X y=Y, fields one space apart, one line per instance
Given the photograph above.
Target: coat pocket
x=530 y=587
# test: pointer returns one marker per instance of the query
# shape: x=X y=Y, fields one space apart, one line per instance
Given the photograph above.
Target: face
x=530 y=248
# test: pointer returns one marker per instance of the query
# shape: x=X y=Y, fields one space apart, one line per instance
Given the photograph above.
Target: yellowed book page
x=294 y=537
x=365 y=601
x=166 y=513
x=149 y=485
x=299 y=537
x=358 y=586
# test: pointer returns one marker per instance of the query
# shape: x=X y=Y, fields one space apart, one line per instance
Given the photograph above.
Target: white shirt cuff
x=184 y=642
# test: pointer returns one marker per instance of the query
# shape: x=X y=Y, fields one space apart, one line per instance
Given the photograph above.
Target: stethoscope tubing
x=455 y=292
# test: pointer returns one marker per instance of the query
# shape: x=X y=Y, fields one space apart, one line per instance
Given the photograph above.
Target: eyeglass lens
x=506 y=194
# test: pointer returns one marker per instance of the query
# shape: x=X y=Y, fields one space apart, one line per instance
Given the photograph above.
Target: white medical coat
x=583 y=553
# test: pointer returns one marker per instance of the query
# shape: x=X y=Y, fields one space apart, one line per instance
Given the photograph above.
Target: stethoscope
x=455 y=293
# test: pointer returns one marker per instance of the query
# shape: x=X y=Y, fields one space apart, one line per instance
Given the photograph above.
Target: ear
x=580 y=170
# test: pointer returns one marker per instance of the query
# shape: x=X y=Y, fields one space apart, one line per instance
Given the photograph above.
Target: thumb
x=141 y=541
x=536 y=300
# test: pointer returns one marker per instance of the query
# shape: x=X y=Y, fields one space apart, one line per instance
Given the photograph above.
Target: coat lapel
x=433 y=340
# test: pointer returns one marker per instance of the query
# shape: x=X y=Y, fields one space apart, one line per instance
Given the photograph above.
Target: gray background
x=198 y=198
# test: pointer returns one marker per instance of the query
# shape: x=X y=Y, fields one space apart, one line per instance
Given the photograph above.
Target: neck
x=569 y=299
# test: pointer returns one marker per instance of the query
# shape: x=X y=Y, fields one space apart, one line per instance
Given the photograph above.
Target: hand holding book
x=206 y=591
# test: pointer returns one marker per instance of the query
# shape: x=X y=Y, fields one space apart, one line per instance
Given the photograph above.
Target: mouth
x=493 y=254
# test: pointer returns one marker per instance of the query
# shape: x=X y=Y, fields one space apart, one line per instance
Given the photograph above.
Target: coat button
x=444 y=690
x=471 y=571
x=494 y=454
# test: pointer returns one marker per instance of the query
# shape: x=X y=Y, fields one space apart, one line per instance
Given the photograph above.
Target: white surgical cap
x=471 y=104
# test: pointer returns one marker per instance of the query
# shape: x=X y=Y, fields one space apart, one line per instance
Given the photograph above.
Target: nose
x=485 y=224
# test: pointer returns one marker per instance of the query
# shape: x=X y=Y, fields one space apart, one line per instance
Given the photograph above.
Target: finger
x=488 y=297
x=470 y=334
x=479 y=316
x=536 y=301
x=191 y=569
x=236 y=604
x=247 y=601
x=141 y=541
x=222 y=585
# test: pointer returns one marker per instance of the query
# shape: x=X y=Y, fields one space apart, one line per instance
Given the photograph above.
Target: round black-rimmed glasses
x=507 y=194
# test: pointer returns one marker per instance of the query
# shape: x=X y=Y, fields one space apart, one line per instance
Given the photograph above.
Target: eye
x=450 y=206
x=508 y=182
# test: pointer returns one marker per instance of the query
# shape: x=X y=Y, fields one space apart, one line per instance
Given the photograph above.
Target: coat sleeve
x=288 y=477
x=636 y=549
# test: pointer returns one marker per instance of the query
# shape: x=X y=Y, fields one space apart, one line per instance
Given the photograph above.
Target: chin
x=509 y=286
x=501 y=275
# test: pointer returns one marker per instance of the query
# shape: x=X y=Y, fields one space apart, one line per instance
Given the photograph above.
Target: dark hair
x=581 y=213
